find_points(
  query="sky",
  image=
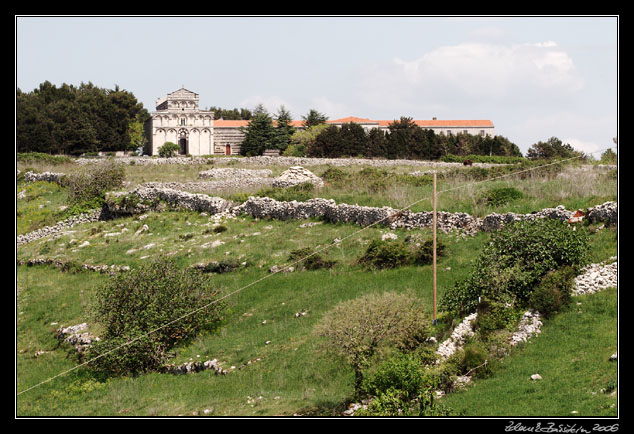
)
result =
(534, 77)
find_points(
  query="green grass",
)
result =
(294, 374)
(571, 355)
(292, 366)
(40, 207)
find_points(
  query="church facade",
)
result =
(178, 119)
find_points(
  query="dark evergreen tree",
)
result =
(258, 135)
(283, 130)
(314, 118)
(376, 145)
(352, 140)
(402, 134)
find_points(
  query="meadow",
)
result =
(290, 373)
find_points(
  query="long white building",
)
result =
(178, 119)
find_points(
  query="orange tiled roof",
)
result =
(224, 123)
(352, 119)
(382, 123)
(445, 123)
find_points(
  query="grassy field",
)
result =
(294, 374)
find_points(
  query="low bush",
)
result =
(405, 372)
(514, 262)
(493, 316)
(382, 254)
(168, 150)
(501, 196)
(357, 328)
(146, 312)
(474, 359)
(553, 292)
(92, 183)
(313, 261)
(295, 150)
(424, 253)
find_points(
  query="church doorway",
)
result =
(183, 145)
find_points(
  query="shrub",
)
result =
(494, 315)
(168, 150)
(382, 254)
(474, 359)
(147, 311)
(424, 254)
(297, 150)
(334, 175)
(500, 196)
(92, 183)
(394, 402)
(404, 372)
(553, 292)
(515, 261)
(220, 228)
(355, 329)
(312, 262)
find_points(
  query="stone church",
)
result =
(178, 119)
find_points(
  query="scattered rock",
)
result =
(614, 357)
(297, 175)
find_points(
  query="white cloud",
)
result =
(332, 109)
(586, 147)
(271, 103)
(469, 72)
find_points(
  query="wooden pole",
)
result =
(434, 260)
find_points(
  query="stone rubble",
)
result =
(44, 176)
(73, 336)
(606, 212)
(60, 227)
(530, 325)
(231, 173)
(297, 175)
(596, 277)
(283, 161)
(461, 333)
(106, 269)
(191, 367)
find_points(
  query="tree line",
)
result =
(403, 139)
(74, 120)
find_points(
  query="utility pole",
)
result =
(434, 256)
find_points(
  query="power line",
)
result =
(287, 265)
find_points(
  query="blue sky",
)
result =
(533, 77)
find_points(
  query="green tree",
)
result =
(401, 137)
(552, 148)
(314, 118)
(376, 144)
(146, 312)
(75, 120)
(259, 134)
(283, 129)
(352, 140)
(357, 328)
(326, 144)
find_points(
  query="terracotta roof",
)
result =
(383, 123)
(445, 123)
(225, 123)
(352, 119)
